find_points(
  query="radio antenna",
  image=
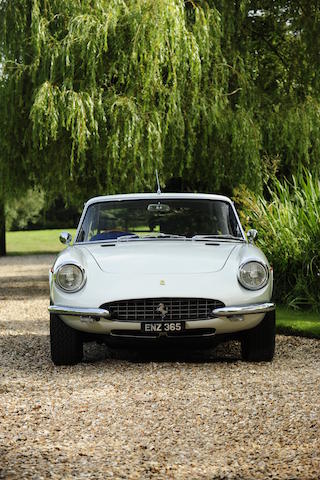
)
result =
(158, 184)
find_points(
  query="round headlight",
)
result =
(70, 277)
(253, 275)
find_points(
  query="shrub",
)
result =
(289, 233)
(24, 211)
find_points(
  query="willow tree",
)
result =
(97, 94)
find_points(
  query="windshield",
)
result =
(133, 219)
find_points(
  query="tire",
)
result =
(258, 344)
(66, 343)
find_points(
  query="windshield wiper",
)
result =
(163, 235)
(126, 238)
(217, 237)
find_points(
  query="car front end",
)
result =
(160, 285)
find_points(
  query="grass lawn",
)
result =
(35, 241)
(301, 323)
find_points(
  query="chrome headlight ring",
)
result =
(71, 272)
(249, 277)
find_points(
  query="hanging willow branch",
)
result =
(97, 94)
(124, 85)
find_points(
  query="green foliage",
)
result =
(295, 134)
(24, 211)
(289, 233)
(94, 95)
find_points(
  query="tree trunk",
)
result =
(2, 230)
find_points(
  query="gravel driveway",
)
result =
(126, 415)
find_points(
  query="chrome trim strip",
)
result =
(198, 335)
(127, 335)
(244, 309)
(82, 312)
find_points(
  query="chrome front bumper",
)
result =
(223, 320)
(95, 313)
(244, 309)
(233, 311)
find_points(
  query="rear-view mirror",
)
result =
(158, 207)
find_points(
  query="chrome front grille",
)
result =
(168, 309)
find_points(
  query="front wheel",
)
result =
(66, 343)
(258, 344)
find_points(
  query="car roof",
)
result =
(157, 196)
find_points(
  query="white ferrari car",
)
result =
(162, 268)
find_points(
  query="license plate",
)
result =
(167, 327)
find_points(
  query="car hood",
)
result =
(165, 257)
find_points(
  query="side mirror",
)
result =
(65, 238)
(252, 235)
